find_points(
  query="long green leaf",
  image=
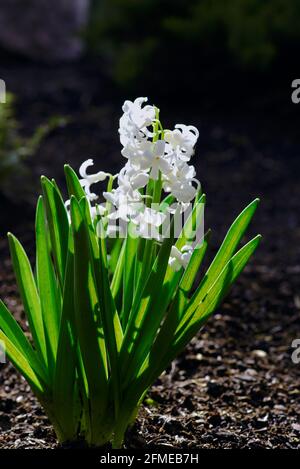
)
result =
(74, 186)
(131, 245)
(109, 315)
(58, 224)
(217, 291)
(227, 249)
(47, 286)
(174, 314)
(187, 233)
(22, 364)
(89, 331)
(146, 320)
(110, 319)
(189, 276)
(117, 279)
(29, 294)
(65, 387)
(14, 333)
(158, 360)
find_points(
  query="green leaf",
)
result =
(165, 204)
(65, 386)
(109, 315)
(174, 314)
(29, 294)
(213, 297)
(89, 330)
(227, 249)
(117, 280)
(22, 364)
(192, 224)
(14, 333)
(110, 319)
(47, 286)
(186, 236)
(58, 224)
(160, 358)
(148, 315)
(191, 272)
(224, 254)
(74, 186)
(131, 246)
(115, 246)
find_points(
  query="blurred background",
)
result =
(223, 66)
(74, 62)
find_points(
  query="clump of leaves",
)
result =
(89, 367)
(109, 314)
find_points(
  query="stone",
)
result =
(43, 29)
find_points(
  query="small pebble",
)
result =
(259, 353)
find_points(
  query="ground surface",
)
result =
(236, 385)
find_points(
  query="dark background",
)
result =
(226, 67)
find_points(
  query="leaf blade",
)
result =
(58, 224)
(29, 294)
(47, 286)
(15, 334)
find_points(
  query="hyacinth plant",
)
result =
(114, 295)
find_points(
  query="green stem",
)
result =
(109, 189)
(122, 425)
(157, 190)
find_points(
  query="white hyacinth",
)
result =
(181, 258)
(148, 222)
(182, 140)
(135, 121)
(89, 179)
(153, 156)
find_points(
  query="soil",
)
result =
(235, 386)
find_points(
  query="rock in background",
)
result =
(45, 30)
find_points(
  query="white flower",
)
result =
(131, 179)
(154, 159)
(141, 117)
(128, 130)
(148, 156)
(134, 149)
(127, 204)
(180, 182)
(182, 172)
(89, 179)
(127, 198)
(181, 258)
(148, 223)
(184, 193)
(135, 120)
(182, 141)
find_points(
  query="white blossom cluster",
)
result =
(155, 156)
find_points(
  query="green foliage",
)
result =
(105, 326)
(245, 33)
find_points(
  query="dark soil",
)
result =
(235, 386)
